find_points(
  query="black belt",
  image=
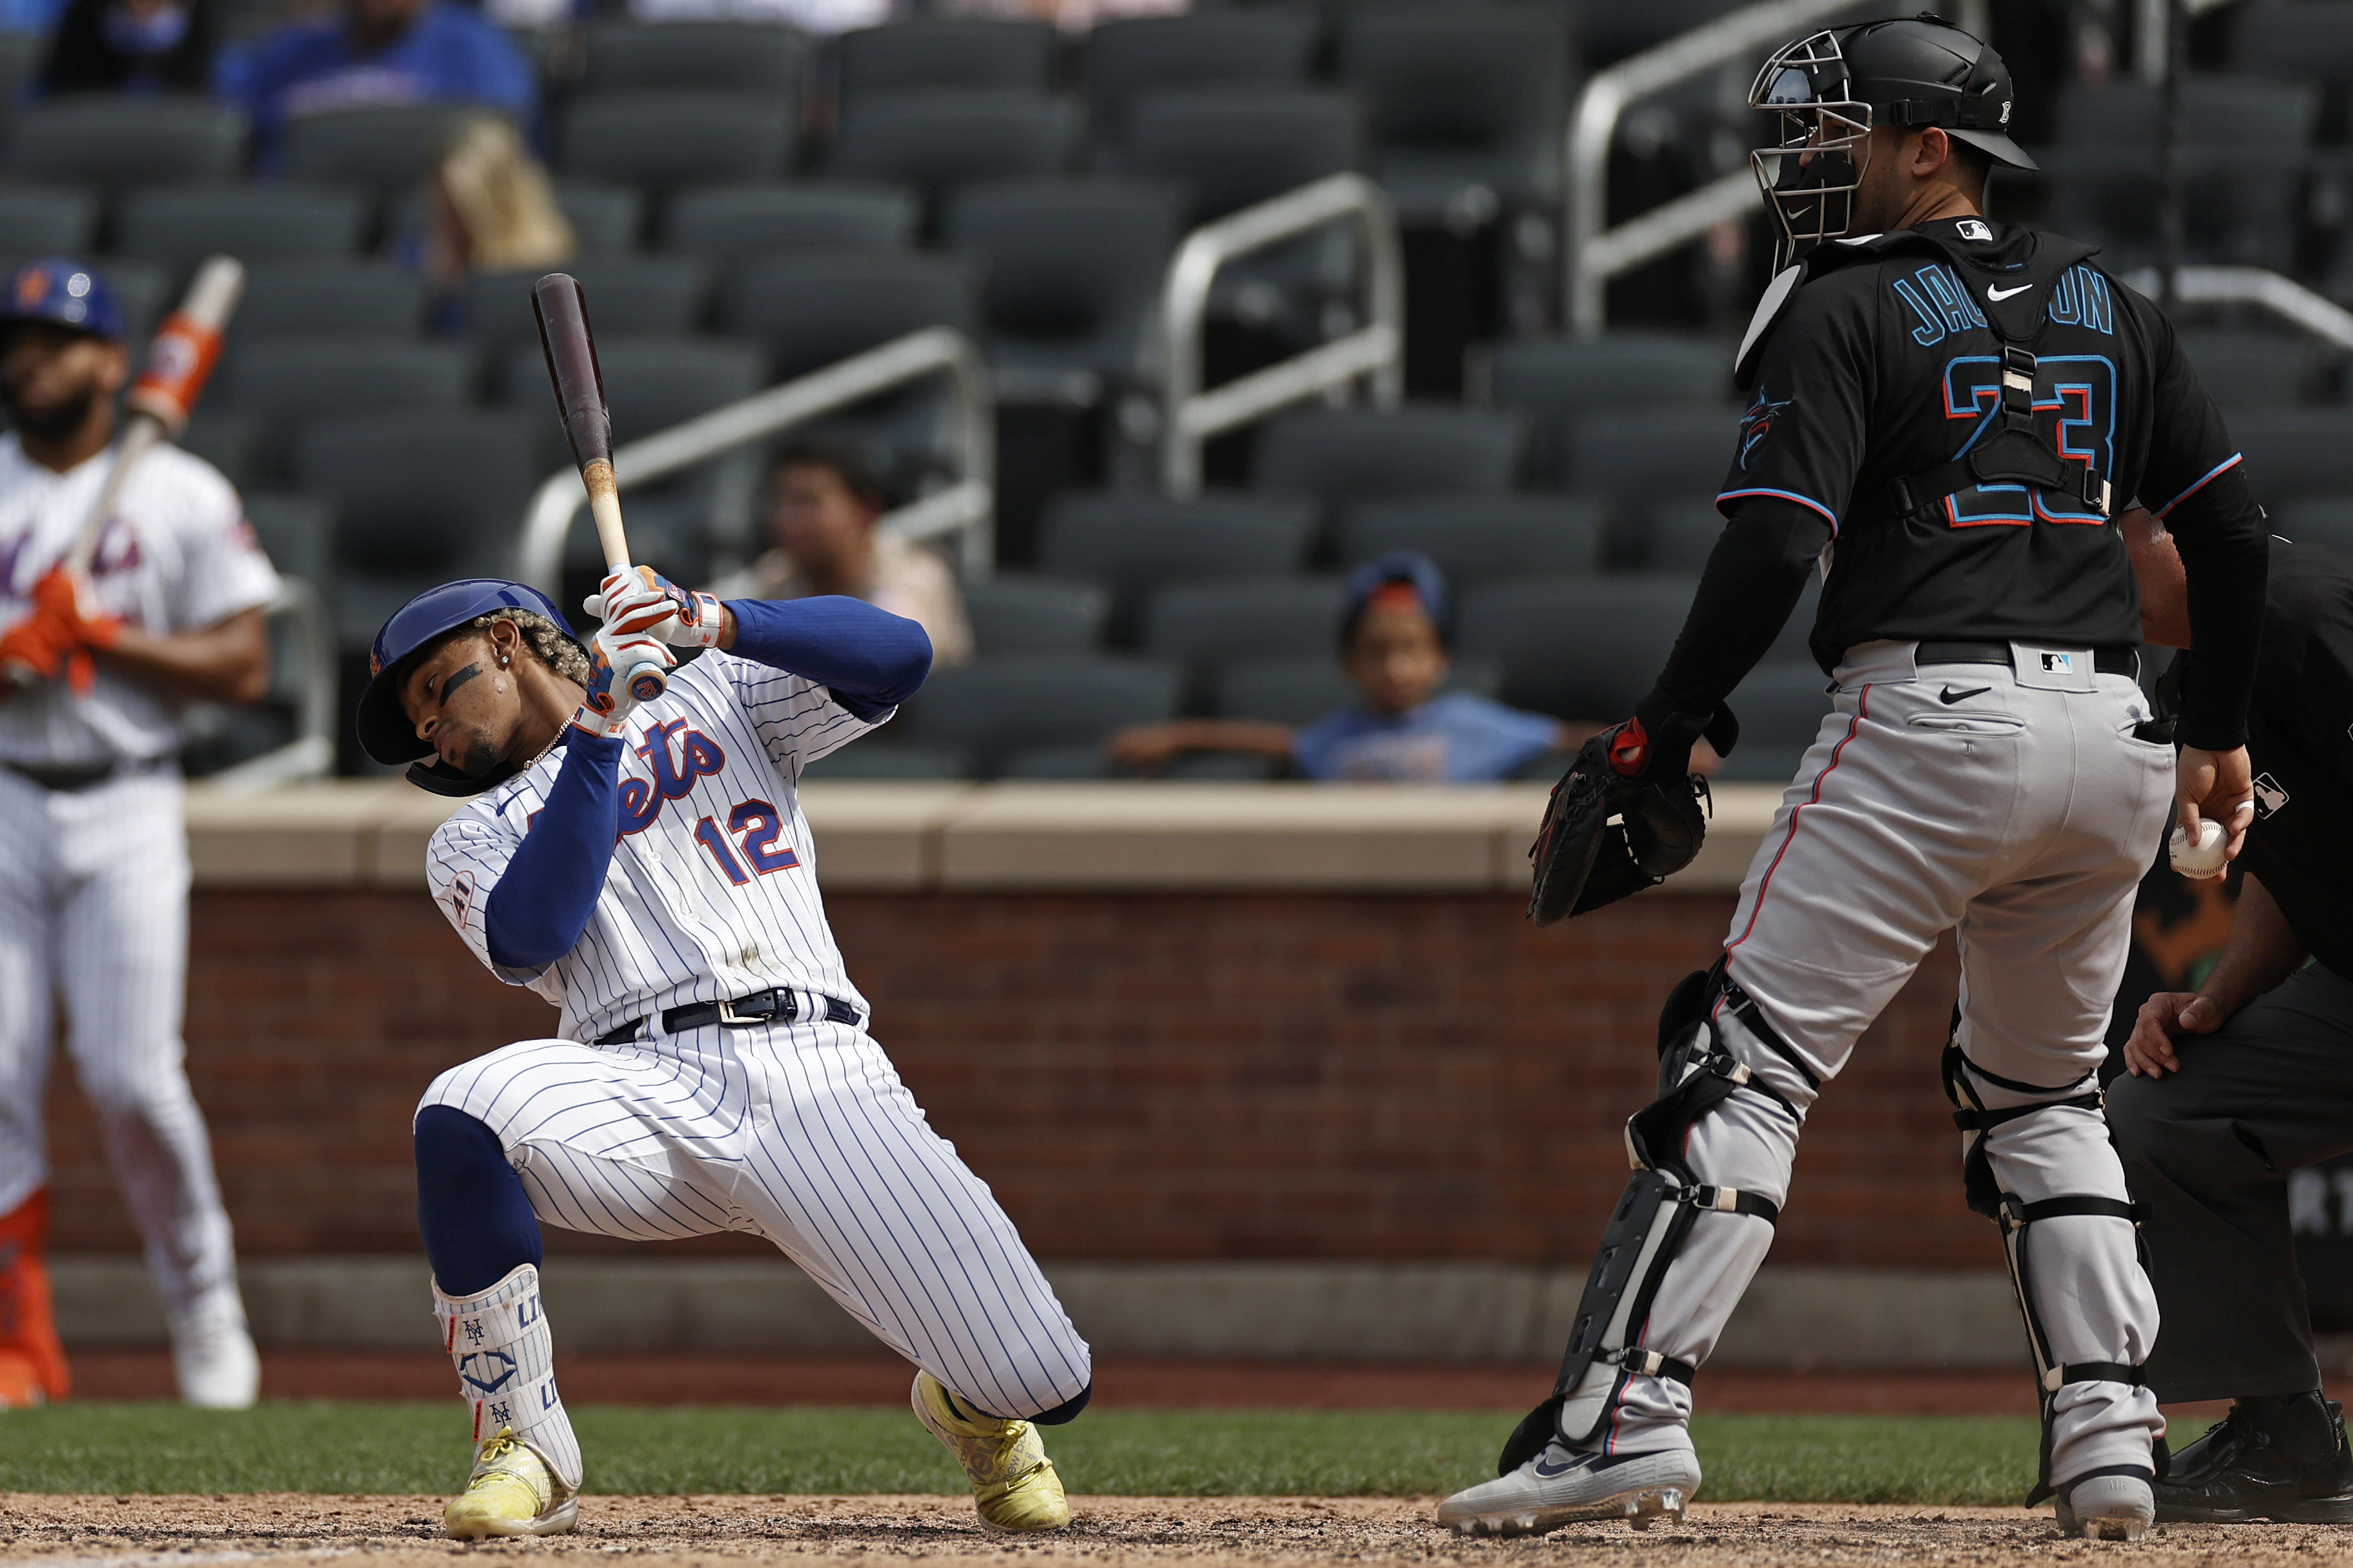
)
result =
(73, 780)
(777, 1007)
(2105, 660)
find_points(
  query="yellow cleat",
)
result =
(513, 1492)
(1014, 1485)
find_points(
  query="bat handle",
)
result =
(644, 681)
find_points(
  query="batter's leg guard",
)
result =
(32, 1364)
(1663, 1199)
(506, 1369)
(2126, 1318)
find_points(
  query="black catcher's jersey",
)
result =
(1881, 367)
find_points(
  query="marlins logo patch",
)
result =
(1757, 423)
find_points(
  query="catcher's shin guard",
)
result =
(32, 1364)
(1663, 1199)
(2016, 1217)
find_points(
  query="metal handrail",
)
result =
(1594, 253)
(1376, 351)
(2282, 296)
(311, 754)
(969, 504)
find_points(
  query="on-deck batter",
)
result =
(647, 869)
(1948, 411)
(93, 857)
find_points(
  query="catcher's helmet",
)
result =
(385, 730)
(1831, 88)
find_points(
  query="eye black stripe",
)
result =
(450, 685)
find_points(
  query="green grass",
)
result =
(338, 1447)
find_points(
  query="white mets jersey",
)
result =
(177, 557)
(712, 891)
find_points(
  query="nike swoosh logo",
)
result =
(1559, 1471)
(1948, 696)
(2006, 293)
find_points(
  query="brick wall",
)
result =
(1139, 1077)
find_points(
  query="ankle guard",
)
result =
(1663, 1199)
(506, 1368)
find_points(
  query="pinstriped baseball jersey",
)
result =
(712, 891)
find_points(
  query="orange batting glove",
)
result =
(38, 647)
(68, 595)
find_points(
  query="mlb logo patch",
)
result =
(1970, 228)
(2058, 664)
(2269, 796)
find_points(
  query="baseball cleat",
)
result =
(1563, 1485)
(512, 1492)
(213, 1355)
(2261, 1461)
(1014, 1487)
(2106, 1508)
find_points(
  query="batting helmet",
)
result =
(385, 730)
(66, 292)
(1831, 88)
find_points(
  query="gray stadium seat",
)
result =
(2324, 520)
(1135, 544)
(1613, 32)
(1476, 538)
(287, 295)
(936, 138)
(604, 218)
(1040, 715)
(1781, 708)
(652, 381)
(1669, 453)
(1462, 100)
(953, 52)
(47, 220)
(1230, 147)
(297, 532)
(386, 149)
(116, 140)
(1131, 56)
(1681, 533)
(728, 222)
(1018, 612)
(658, 140)
(286, 382)
(625, 294)
(1578, 648)
(2248, 368)
(222, 437)
(743, 55)
(1301, 691)
(2292, 453)
(1072, 270)
(1346, 456)
(1200, 626)
(180, 224)
(811, 310)
(1552, 381)
(2311, 40)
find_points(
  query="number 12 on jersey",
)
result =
(756, 824)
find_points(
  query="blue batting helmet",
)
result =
(385, 730)
(66, 292)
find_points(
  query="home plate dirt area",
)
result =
(1108, 1532)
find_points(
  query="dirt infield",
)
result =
(1109, 1533)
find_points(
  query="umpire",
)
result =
(2251, 1076)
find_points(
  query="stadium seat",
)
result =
(660, 141)
(422, 496)
(936, 138)
(1018, 612)
(623, 57)
(179, 225)
(47, 220)
(297, 532)
(1580, 648)
(1680, 533)
(1474, 538)
(1465, 104)
(1072, 270)
(2324, 520)
(1040, 715)
(1344, 455)
(951, 52)
(1301, 691)
(1552, 381)
(652, 381)
(1131, 56)
(287, 295)
(385, 149)
(604, 218)
(1230, 147)
(1610, 33)
(1781, 708)
(727, 221)
(117, 141)
(2311, 40)
(2246, 368)
(286, 382)
(811, 310)
(1200, 626)
(222, 437)
(1135, 544)
(625, 294)
(1674, 452)
(2293, 453)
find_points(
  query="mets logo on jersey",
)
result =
(675, 769)
(460, 896)
(1757, 423)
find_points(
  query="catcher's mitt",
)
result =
(1606, 835)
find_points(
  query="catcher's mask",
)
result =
(1828, 90)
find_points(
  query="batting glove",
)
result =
(613, 653)
(65, 625)
(642, 600)
(68, 595)
(38, 647)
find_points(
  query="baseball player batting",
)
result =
(1947, 412)
(634, 852)
(117, 612)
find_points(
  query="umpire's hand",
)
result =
(2149, 1053)
(2217, 785)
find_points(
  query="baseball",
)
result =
(2205, 859)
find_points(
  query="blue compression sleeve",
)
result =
(471, 1210)
(542, 904)
(871, 659)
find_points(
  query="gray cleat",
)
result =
(1562, 1485)
(2107, 1508)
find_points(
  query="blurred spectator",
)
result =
(130, 46)
(810, 15)
(825, 500)
(1071, 15)
(491, 207)
(370, 52)
(1394, 637)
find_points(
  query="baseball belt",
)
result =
(777, 1006)
(2105, 660)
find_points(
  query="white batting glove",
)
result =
(614, 653)
(642, 600)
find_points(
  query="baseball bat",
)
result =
(562, 309)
